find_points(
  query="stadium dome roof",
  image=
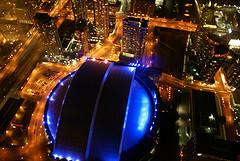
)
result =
(102, 111)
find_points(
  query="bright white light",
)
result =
(159, 2)
(199, 154)
(234, 42)
(229, 30)
(151, 128)
(131, 68)
(48, 121)
(154, 95)
(211, 117)
(55, 155)
(210, 26)
(52, 99)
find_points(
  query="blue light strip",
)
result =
(67, 157)
(62, 105)
(152, 92)
(47, 118)
(51, 98)
(155, 109)
(142, 118)
(139, 116)
(126, 116)
(138, 65)
(126, 113)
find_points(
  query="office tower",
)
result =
(211, 67)
(217, 58)
(81, 31)
(141, 7)
(113, 9)
(101, 17)
(48, 29)
(233, 74)
(133, 39)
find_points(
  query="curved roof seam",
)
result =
(96, 107)
(126, 113)
(60, 114)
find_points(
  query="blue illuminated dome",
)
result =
(103, 111)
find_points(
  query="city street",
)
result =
(226, 104)
(36, 148)
(15, 75)
(32, 48)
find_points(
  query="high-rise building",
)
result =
(211, 67)
(79, 9)
(141, 7)
(217, 58)
(80, 16)
(48, 29)
(133, 39)
(233, 74)
(113, 8)
(208, 47)
(101, 17)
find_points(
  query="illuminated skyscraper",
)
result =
(145, 7)
(133, 39)
(48, 29)
(80, 16)
(211, 67)
(233, 74)
(113, 8)
(101, 17)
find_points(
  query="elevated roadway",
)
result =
(198, 85)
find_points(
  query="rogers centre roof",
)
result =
(103, 111)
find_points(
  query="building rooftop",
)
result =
(102, 110)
